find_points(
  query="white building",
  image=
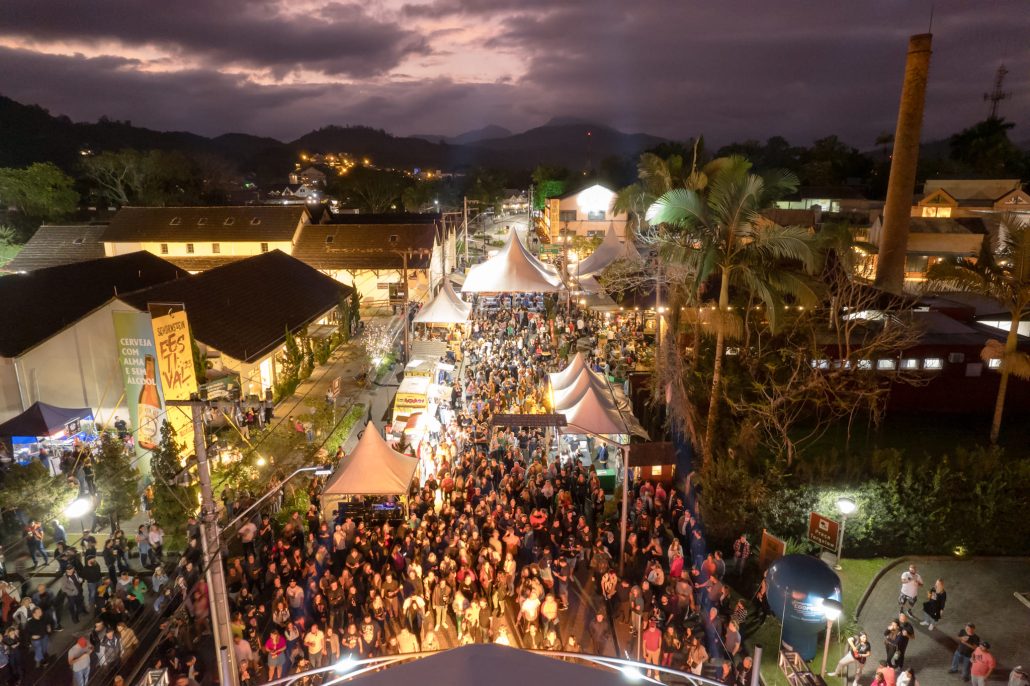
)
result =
(586, 212)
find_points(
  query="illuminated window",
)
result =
(656, 470)
(189, 248)
(216, 248)
(910, 363)
(936, 211)
(865, 365)
(820, 364)
(885, 365)
(933, 363)
(264, 247)
(994, 364)
(164, 248)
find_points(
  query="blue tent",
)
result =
(43, 420)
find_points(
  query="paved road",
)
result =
(979, 591)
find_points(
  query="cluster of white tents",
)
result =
(586, 400)
(512, 270)
(446, 308)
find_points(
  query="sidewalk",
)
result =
(980, 590)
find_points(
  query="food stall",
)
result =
(45, 432)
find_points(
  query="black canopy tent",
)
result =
(42, 420)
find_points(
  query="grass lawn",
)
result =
(855, 577)
(7, 252)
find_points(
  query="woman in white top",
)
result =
(907, 677)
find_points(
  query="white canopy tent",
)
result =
(610, 250)
(569, 374)
(564, 398)
(374, 468)
(592, 415)
(446, 308)
(512, 270)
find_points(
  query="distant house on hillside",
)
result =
(972, 197)
(588, 211)
(309, 176)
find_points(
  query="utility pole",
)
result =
(407, 342)
(624, 519)
(214, 572)
(465, 223)
(997, 95)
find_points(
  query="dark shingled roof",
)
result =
(243, 309)
(947, 225)
(37, 305)
(245, 223)
(194, 263)
(365, 246)
(387, 218)
(52, 246)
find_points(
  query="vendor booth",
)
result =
(371, 483)
(45, 432)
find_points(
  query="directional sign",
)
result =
(823, 531)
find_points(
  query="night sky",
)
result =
(729, 69)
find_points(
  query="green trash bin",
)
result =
(607, 479)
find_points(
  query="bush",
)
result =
(976, 499)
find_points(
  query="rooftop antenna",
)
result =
(997, 95)
(929, 29)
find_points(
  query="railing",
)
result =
(796, 670)
(349, 668)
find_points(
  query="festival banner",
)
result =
(138, 358)
(174, 350)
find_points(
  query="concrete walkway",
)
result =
(979, 591)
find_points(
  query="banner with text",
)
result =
(137, 356)
(174, 350)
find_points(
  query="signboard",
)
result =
(138, 358)
(398, 293)
(174, 351)
(550, 249)
(335, 387)
(823, 531)
(772, 549)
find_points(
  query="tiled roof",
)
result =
(244, 309)
(242, 223)
(365, 246)
(52, 246)
(948, 225)
(37, 305)
(192, 263)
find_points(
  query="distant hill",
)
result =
(32, 134)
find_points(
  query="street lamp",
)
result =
(845, 506)
(832, 610)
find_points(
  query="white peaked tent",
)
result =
(446, 308)
(591, 415)
(374, 468)
(511, 270)
(564, 398)
(611, 249)
(566, 376)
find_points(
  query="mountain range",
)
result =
(32, 134)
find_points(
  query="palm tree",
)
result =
(722, 231)
(1004, 276)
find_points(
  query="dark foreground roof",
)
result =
(488, 663)
(365, 246)
(52, 246)
(243, 309)
(387, 218)
(178, 224)
(968, 225)
(37, 305)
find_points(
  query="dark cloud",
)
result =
(728, 70)
(339, 38)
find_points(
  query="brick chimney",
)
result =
(890, 266)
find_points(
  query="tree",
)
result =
(722, 233)
(31, 489)
(156, 177)
(371, 190)
(985, 149)
(1003, 275)
(39, 192)
(173, 502)
(548, 182)
(117, 480)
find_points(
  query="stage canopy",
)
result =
(611, 249)
(374, 468)
(479, 663)
(446, 308)
(511, 270)
(43, 420)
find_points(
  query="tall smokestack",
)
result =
(890, 266)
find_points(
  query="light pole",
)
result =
(831, 610)
(78, 509)
(845, 506)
